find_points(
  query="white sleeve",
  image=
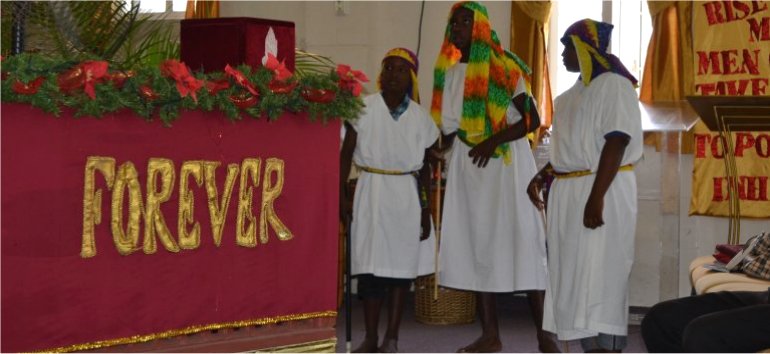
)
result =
(521, 87)
(360, 123)
(619, 107)
(428, 128)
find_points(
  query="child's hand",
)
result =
(482, 152)
(425, 222)
(533, 190)
(592, 216)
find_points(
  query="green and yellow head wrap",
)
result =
(490, 81)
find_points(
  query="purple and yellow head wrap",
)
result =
(490, 81)
(414, 64)
(591, 39)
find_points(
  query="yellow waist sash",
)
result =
(421, 193)
(574, 174)
(385, 172)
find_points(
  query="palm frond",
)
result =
(306, 63)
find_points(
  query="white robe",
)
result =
(386, 225)
(589, 269)
(492, 237)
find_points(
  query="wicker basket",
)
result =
(451, 307)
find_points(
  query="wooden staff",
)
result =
(438, 222)
(348, 287)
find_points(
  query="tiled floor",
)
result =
(516, 327)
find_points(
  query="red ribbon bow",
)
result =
(186, 84)
(241, 79)
(279, 69)
(318, 95)
(93, 72)
(217, 85)
(28, 88)
(350, 80)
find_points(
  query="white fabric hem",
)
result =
(475, 287)
(387, 273)
(595, 329)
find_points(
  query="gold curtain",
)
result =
(202, 9)
(668, 69)
(528, 41)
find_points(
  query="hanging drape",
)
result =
(528, 41)
(202, 9)
(668, 68)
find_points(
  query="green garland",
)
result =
(166, 102)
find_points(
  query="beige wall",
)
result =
(362, 37)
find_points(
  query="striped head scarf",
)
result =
(411, 58)
(591, 39)
(490, 81)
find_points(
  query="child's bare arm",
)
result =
(609, 162)
(423, 186)
(346, 159)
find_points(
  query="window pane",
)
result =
(179, 5)
(632, 34)
(153, 5)
(567, 13)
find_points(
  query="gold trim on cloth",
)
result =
(321, 346)
(385, 172)
(188, 330)
(574, 174)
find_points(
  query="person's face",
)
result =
(461, 28)
(570, 59)
(396, 75)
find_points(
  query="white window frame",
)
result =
(168, 14)
(608, 13)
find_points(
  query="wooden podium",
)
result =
(728, 114)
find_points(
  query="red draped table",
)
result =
(94, 253)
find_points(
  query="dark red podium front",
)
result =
(213, 43)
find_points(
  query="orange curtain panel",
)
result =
(528, 41)
(202, 9)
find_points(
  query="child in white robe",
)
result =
(492, 238)
(391, 230)
(597, 137)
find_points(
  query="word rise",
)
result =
(160, 183)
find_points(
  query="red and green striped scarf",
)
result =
(485, 101)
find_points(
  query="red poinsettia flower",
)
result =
(93, 72)
(279, 69)
(241, 79)
(28, 88)
(350, 79)
(186, 84)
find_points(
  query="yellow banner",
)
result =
(731, 41)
